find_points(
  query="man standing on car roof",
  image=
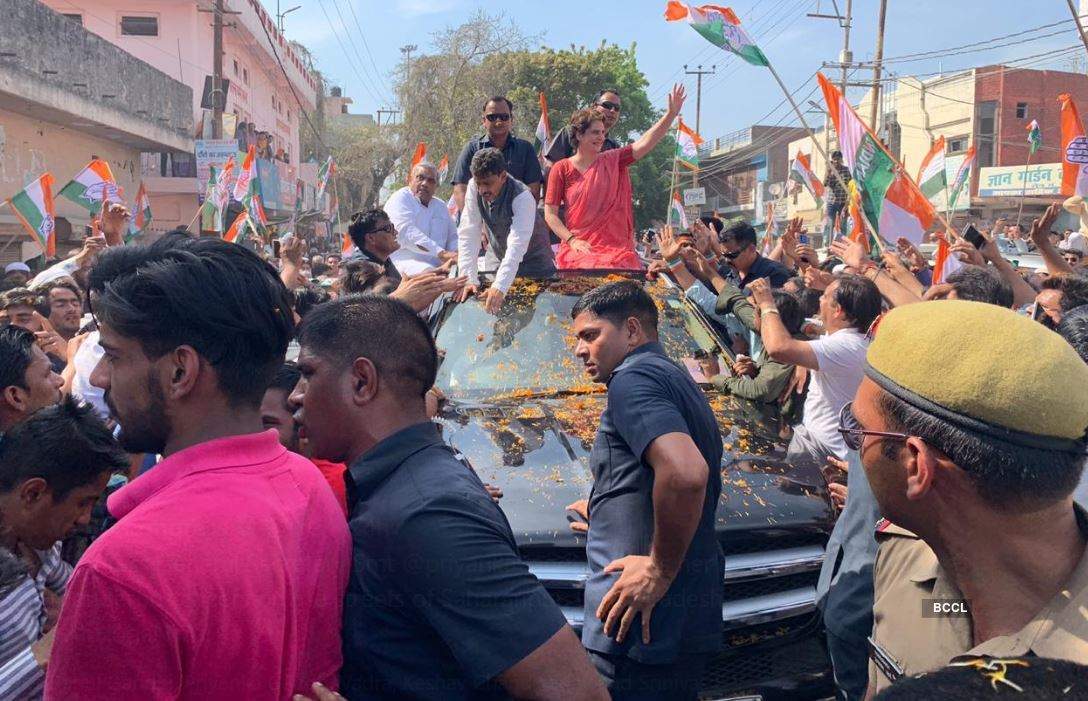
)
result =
(654, 595)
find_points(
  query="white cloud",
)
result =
(415, 8)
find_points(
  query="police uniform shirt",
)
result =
(904, 642)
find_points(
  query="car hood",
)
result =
(536, 449)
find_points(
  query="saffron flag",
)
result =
(141, 218)
(245, 175)
(1035, 137)
(963, 174)
(687, 145)
(443, 168)
(324, 174)
(678, 211)
(906, 211)
(543, 127)
(944, 261)
(801, 172)
(719, 26)
(238, 228)
(91, 185)
(419, 155)
(1074, 149)
(33, 205)
(931, 176)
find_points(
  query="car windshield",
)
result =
(528, 349)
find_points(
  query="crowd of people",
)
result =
(255, 527)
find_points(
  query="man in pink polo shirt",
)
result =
(225, 574)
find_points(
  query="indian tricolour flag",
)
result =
(91, 185)
(961, 178)
(931, 176)
(245, 175)
(870, 165)
(543, 127)
(34, 207)
(687, 145)
(1035, 137)
(324, 174)
(719, 26)
(678, 212)
(238, 228)
(346, 244)
(945, 262)
(1074, 149)
(906, 212)
(418, 156)
(443, 168)
(141, 217)
(801, 172)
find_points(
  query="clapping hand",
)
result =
(668, 243)
(911, 252)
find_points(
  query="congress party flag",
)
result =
(443, 168)
(961, 178)
(906, 212)
(91, 185)
(543, 127)
(419, 155)
(1074, 149)
(945, 261)
(141, 217)
(245, 175)
(801, 172)
(678, 212)
(324, 174)
(241, 223)
(1035, 137)
(719, 26)
(687, 145)
(33, 205)
(931, 176)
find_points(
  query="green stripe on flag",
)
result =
(874, 171)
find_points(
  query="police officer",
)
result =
(973, 454)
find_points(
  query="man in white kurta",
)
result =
(425, 230)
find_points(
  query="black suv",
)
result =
(522, 411)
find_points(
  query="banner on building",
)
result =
(1041, 179)
(212, 152)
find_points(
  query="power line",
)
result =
(351, 63)
(374, 81)
(978, 43)
(366, 45)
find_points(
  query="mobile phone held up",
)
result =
(276, 247)
(973, 236)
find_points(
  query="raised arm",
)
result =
(654, 134)
(777, 341)
(1040, 236)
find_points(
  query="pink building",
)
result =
(267, 83)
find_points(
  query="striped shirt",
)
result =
(22, 618)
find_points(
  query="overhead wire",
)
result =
(374, 81)
(351, 62)
(366, 45)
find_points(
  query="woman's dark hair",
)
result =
(65, 444)
(218, 297)
(1006, 475)
(617, 302)
(16, 354)
(789, 311)
(860, 299)
(306, 298)
(359, 276)
(580, 122)
(1074, 328)
(810, 302)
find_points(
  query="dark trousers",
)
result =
(628, 680)
(850, 660)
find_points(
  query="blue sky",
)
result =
(739, 94)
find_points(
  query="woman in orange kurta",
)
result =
(598, 229)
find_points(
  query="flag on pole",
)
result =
(238, 228)
(801, 172)
(33, 205)
(963, 173)
(678, 211)
(931, 176)
(687, 145)
(141, 218)
(419, 155)
(245, 175)
(719, 26)
(324, 174)
(211, 213)
(858, 230)
(944, 262)
(443, 168)
(1074, 149)
(906, 211)
(346, 244)
(91, 185)
(1035, 137)
(543, 127)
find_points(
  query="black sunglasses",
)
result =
(854, 435)
(497, 117)
(387, 227)
(610, 106)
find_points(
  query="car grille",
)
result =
(795, 670)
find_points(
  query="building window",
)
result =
(139, 26)
(987, 130)
(1021, 110)
(245, 76)
(235, 66)
(957, 144)
(75, 17)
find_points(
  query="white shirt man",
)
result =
(427, 234)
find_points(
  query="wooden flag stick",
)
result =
(1024, 191)
(672, 191)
